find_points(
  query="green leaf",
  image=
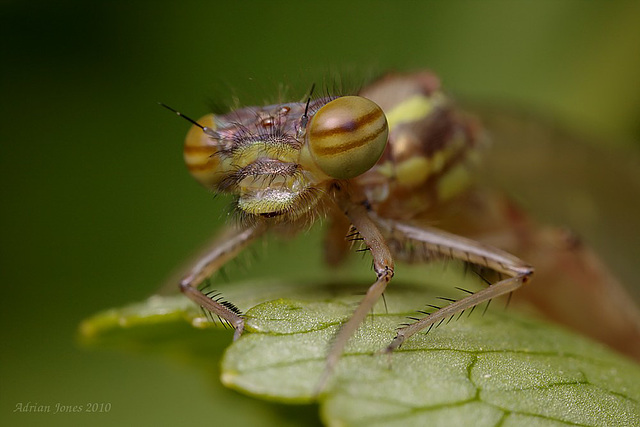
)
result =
(497, 369)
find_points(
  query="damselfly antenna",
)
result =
(187, 118)
(205, 129)
(305, 116)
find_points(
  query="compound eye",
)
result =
(199, 154)
(347, 136)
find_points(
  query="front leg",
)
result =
(383, 267)
(224, 249)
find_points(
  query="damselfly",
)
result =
(378, 167)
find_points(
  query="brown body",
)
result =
(390, 164)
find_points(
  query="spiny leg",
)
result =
(225, 249)
(383, 267)
(567, 269)
(451, 245)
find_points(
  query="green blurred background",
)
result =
(99, 209)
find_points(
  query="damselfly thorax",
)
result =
(383, 165)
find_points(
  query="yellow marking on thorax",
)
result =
(413, 172)
(453, 182)
(414, 108)
(416, 170)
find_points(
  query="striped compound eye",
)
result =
(199, 154)
(347, 136)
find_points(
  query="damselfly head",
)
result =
(279, 159)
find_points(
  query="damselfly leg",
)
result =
(227, 248)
